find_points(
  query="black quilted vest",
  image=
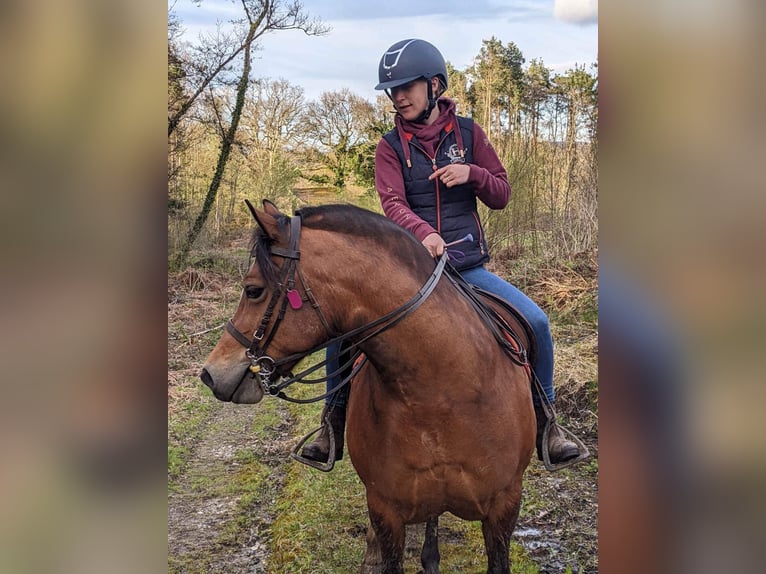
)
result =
(451, 211)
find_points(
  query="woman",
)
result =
(429, 170)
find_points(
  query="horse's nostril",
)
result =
(206, 378)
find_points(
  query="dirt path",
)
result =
(558, 525)
(212, 526)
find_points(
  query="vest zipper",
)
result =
(481, 235)
(438, 199)
(438, 188)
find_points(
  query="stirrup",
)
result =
(323, 466)
(584, 452)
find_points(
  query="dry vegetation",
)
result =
(198, 304)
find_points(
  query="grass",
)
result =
(244, 485)
(320, 516)
(186, 427)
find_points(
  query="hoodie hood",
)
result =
(428, 136)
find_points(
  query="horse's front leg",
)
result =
(429, 556)
(388, 536)
(372, 563)
(497, 530)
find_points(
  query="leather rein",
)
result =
(267, 368)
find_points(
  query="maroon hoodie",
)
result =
(487, 176)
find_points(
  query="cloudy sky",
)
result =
(561, 33)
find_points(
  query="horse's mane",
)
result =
(347, 220)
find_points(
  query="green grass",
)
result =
(248, 480)
(184, 428)
(321, 517)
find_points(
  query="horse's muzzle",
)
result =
(240, 387)
(206, 378)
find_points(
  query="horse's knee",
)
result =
(538, 320)
(372, 563)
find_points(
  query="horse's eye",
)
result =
(253, 291)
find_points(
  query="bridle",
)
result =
(267, 368)
(261, 363)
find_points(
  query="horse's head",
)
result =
(276, 320)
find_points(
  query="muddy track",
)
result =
(206, 531)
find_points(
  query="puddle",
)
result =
(534, 539)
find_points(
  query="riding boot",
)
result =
(319, 448)
(559, 448)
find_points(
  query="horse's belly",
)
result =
(418, 496)
(467, 490)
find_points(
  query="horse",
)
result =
(439, 419)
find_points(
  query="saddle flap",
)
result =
(513, 318)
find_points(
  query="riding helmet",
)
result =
(409, 60)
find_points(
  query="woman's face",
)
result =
(410, 99)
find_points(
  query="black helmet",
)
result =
(409, 60)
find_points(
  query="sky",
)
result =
(561, 33)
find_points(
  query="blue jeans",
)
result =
(480, 277)
(334, 361)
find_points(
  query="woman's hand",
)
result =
(435, 244)
(453, 174)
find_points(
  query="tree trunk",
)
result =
(223, 156)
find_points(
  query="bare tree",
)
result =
(339, 123)
(271, 129)
(260, 17)
(215, 56)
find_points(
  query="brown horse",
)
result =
(440, 418)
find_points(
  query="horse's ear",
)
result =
(251, 208)
(265, 221)
(271, 209)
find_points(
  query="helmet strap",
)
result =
(421, 119)
(425, 114)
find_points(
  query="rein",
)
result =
(265, 367)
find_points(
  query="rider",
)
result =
(429, 170)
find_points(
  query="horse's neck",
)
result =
(438, 342)
(424, 343)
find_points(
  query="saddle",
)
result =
(509, 327)
(511, 319)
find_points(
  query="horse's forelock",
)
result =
(260, 248)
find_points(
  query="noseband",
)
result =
(267, 368)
